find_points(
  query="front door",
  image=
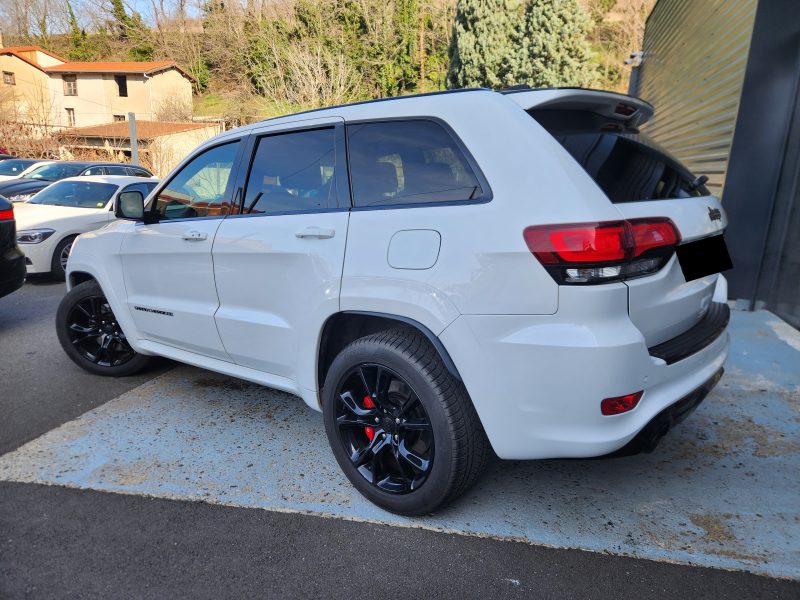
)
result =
(169, 274)
(278, 265)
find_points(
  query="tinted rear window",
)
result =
(627, 165)
(408, 162)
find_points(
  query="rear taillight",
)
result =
(7, 215)
(620, 404)
(589, 253)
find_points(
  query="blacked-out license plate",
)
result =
(704, 257)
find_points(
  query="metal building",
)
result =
(723, 76)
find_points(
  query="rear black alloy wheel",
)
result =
(91, 336)
(384, 428)
(95, 333)
(401, 426)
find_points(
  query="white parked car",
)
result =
(48, 224)
(14, 168)
(438, 274)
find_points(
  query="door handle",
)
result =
(320, 233)
(195, 236)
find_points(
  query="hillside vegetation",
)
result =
(256, 58)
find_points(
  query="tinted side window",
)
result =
(293, 172)
(136, 172)
(116, 170)
(408, 162)
(94, 171)
(200, 188)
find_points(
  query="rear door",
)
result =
(600, 130)
(278, 264)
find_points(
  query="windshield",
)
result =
(14, 166)
(55, 171)
(80, 194)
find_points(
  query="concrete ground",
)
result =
(248, 476)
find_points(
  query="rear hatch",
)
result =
(601, 131)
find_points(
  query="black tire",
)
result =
(57, 267)
(459, 449)
(86, 328)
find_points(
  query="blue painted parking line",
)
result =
(721, 490)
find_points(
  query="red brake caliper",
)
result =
(370, 431)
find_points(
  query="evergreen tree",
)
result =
(481, 47)
(499, 43)
(552, 47)
(132, 29)
(80, 46)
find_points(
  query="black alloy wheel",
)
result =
(400, 424)
(384, 428)
(91, 335)
(95, 333)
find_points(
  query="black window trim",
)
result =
(343, 192)
(486, 191)
(243, 142)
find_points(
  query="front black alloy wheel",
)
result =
(384, 428)
(402, 428)
(91, 336)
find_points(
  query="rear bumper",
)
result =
(537, 380)
(649, 437)
(12, 271)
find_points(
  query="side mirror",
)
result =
(130, 206)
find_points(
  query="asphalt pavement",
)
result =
(59, 542)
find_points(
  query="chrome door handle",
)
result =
(195, 236)
(320, 233)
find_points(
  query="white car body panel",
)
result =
(250, 300)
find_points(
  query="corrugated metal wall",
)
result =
(692, 70)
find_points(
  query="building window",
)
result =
(70, 85)
(70, 116)
(119, 118)
(122, 85)
(8, 78)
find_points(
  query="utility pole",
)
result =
(133, 138)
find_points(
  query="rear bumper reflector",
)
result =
(695, 339)
(652, 433)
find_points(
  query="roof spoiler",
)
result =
(614, 106)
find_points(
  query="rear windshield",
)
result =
(55, 171)
(627, 165)
(14, 167)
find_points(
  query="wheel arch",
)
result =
(77, 277)
(347, 326)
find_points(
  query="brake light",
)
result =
(7, 215)
(590, 253)
(620, 404)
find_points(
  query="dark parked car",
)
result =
(12, 260)
(4, 156)
(23, 188)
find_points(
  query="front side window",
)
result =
(293, 172)
(70, 85)
(78, 194)
(201, 188)
(408, 162)
(111, 170)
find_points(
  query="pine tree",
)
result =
(481, 48)
(133, 29)
(80, 47)
(552, 48)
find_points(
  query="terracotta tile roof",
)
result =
(145, 130)
(111, 67)
(18, 49)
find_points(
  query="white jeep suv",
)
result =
(440, 275)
